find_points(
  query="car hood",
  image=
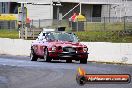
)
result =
(67, 44)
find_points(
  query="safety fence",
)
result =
(4, 24)
(91, 24)
(116, 25)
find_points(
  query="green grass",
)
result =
(98, 26)
(13, 34)
(102, 26)
(86, 36)
(106, 36)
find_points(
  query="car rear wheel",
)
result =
(33, 57)
(83, 61)
(47, 58)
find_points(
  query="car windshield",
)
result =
(63, 37)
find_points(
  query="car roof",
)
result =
(55, 32)
(48, 30)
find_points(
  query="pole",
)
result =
(124, 23)
(80, 7)
(120, 13)
(22, 20)
(39, 23)
(58, 16)
(58, 11)
(109, 12)
(104, 23)
(71, 10)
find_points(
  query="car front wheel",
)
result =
(33, 57)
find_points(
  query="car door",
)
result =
(38, 45)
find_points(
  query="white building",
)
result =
(44, 9)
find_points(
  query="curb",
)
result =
(115, 63)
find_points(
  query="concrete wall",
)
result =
(99, 51)
(110, 52)
(129, 8)
(118, 11)
(66, 7)
(40, 11)
(15, 46)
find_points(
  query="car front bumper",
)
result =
(67, 55)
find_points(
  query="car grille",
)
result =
(69, 49)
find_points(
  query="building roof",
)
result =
(91, 1)
(70, 1)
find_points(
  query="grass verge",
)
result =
(13, 34)
(86, 36)
(104, 36)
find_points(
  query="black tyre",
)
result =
(46, 56)
(68, 61)
(83, 61)
(33, 57)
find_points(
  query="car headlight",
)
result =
(85, 49)
(53, 48)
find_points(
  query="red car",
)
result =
(56, 45)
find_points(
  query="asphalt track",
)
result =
(20, 72)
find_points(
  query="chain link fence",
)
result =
(117, 29)
(91, 24)
(4, 24)
(94, 29)
(109, 23)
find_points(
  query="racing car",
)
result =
(58, 45)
